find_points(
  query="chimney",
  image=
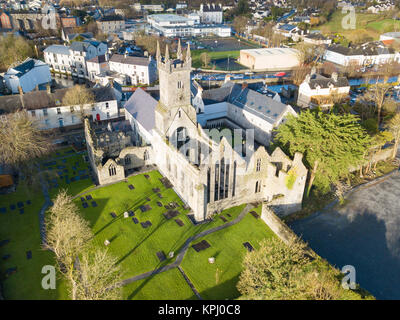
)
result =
(244, 85)
(21, 96)
(227, 78)
(334, 76)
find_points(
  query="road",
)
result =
(365, 233)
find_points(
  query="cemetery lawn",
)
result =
(218, 280)
(23, 232)
(136, 247)
(167, 285)
(23, 229)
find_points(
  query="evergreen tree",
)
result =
(331, 144)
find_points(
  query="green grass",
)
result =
(214, 55)
(367, 25)
(168, 285)
(23, 232)
(134, 246)
(74, 164)
(218, 280)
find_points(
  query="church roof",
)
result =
(142, 106)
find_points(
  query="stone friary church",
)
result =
(210, 144)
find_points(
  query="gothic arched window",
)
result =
(112, 170)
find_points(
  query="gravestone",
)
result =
(106, 242)
(126, 214)
(211, 260)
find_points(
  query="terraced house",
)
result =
(73, 59)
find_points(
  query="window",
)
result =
(258, 166)
(106, 105)
(72, 109)
(45, 112)
(72, 119)
(58, 111)
(111, 170)
(127, 160)
(258, 187)
(108, 115)
(47, 122)
(180, 85)
(146, 155)
(33, 113)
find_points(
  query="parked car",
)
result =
(280, 74)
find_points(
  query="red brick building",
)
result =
(5, 21)
(70, 22)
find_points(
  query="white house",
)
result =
(97, 65)
(317, 90)
(27, 75)
(47, 108)
(365, 54)
(137, 70)
(72, 59)
(211, 13)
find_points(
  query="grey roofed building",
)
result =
(57, 49)
(80, 46)
(119, 58)
(246, 99)
(316, 80)
(142, 106)
(212, 7)
(42, 99)
(98, 59)
(369, 49)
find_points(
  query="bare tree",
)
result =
(240, 24)
(21, 140)
(394, 127)
(78, 95)
(68, 234)
(307, 54)
(377, 94)
(98, 276)
(299, 74)
(205, 59)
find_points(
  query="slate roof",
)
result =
(369, 49)
(256, 103)
(80, 46)
(141, 61)
(98, 59)
(25, 67)
(287, 27)
(142, 106)
(324, 82)
(41, 99)
(210, 8)
(111, 18)
(57, 49)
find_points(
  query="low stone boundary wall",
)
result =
(277, 225)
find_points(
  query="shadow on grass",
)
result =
(147, 236)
